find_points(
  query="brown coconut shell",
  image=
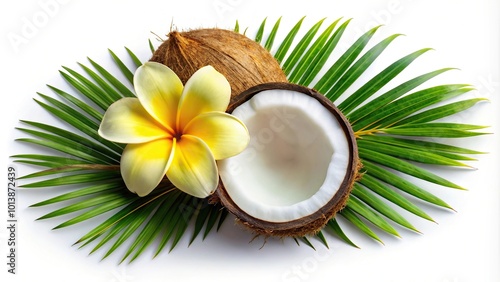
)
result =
(241, 60)
(310, 224)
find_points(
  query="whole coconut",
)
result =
(244, 62)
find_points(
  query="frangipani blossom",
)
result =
(174, 130)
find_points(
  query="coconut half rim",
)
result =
(299, 167)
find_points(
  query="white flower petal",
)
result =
(206, 91)
(143, 166)
(224, 134)
(193, 169)
(159, 90)
(126, 121)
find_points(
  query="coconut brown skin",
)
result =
(313, 223)
(241, 60)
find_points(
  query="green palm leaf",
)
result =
(391, 128)
(384, 124)
(377, 82)
(378, 205)
(333, 75)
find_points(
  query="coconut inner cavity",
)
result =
(296, 159)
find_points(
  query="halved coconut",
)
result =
(299, 167)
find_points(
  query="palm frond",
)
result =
(391, 129)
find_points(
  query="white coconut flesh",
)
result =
(296, 161)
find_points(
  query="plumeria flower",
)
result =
(174, 130)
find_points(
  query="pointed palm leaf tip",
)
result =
(174, 131)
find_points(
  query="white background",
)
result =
(464, 245)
